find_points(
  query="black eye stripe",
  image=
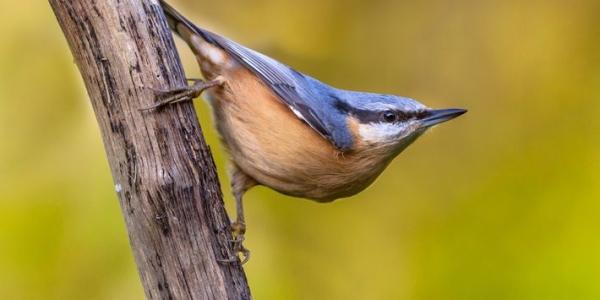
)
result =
(420, 114)
(367, 116)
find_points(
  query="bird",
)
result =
(289, 131)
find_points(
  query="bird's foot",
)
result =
(241, 253)
(188, 93)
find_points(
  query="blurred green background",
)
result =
(502, 203)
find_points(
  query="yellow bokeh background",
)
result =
(502, 203)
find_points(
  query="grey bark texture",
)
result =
(163, 170)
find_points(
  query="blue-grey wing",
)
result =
(305, 96)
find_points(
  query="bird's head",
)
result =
(390, 121)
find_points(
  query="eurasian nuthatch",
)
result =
(290, 132)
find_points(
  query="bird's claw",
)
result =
(238, 230)
(245, 256)
(181, 94)
(229, 260)
(241, 253)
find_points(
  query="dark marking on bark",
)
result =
(163, 68)
(97, 11)
(159, 213)
(166, 292)
(130, 208)
(131, 161)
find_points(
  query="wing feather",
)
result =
(283, 80)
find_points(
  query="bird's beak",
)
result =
(437, 116)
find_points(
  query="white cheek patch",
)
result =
(379, 132)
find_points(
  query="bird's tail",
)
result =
(185, 29)
(181, 25)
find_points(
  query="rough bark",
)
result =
(164, 174)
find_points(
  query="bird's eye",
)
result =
(389, 116)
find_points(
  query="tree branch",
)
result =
(163, 170)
